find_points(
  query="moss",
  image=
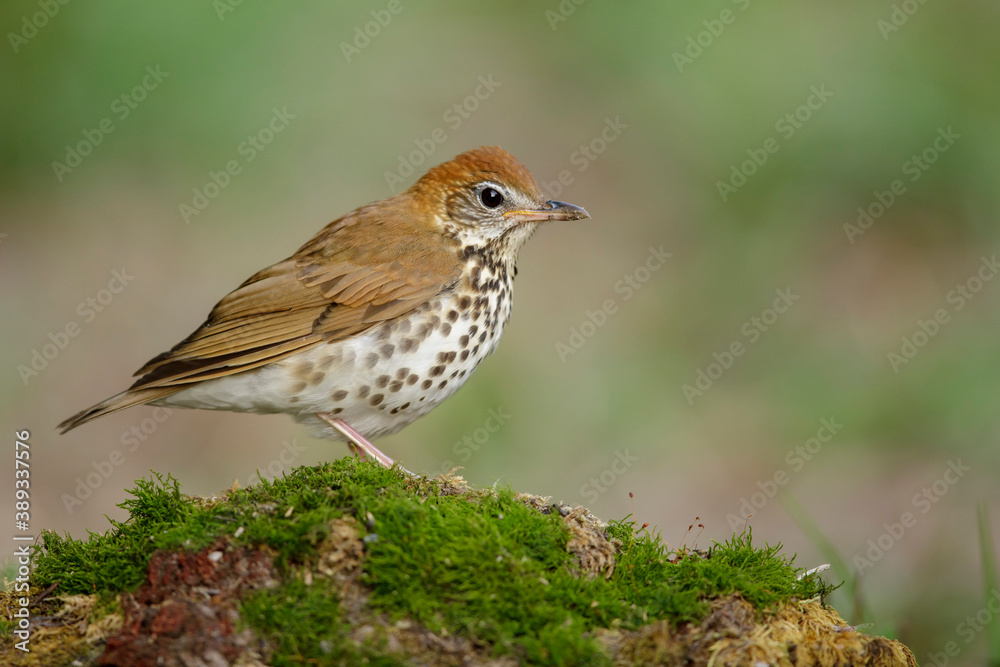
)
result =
(116, 560)
(74, 629)
(305, 624)
(372, 566)
(680, 585)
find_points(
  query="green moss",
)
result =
(305, 625)
(116, 560)
(679, 585)
(474, 568)
(479, 565)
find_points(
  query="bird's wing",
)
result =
(344, 281)
(336, 286)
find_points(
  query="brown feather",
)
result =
(288, 307)
(343, 281)
(126, 399)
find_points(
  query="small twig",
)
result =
(44, 594)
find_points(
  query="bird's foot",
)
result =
(358, 444)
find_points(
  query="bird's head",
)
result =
(486, 197)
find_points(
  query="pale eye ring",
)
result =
(490, 197)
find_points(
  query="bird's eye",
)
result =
(490, 197)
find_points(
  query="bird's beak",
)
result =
(554, 210)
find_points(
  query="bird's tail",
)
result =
(126, 399)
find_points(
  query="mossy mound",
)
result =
(348, 563)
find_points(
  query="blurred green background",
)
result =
(833, 103)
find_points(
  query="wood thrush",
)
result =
(372, 323)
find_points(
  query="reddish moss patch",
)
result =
(188, 608)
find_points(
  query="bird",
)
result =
(375, 321)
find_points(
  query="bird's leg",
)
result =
(357, 452)
(358, 443)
